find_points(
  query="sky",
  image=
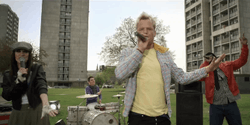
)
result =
(104, 17)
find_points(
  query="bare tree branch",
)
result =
(124, 37)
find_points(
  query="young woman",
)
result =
(25, 85)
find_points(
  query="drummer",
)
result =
(93, 89)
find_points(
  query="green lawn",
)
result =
(69, 99)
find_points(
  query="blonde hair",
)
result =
(145, 16)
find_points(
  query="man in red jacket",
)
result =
(222, 90)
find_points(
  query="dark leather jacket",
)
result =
(37, 85)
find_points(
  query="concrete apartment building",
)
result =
(64, 36)
(8, 24)
(215, 26)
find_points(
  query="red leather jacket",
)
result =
(227, 68)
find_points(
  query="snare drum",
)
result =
(95, 117)
(72, 113)
(91, 106)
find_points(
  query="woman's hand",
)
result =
(20, 73)
(48, 110)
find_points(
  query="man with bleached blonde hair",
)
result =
(149, 68)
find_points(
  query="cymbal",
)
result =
(86, 96)
(123, 92)
(118, 95)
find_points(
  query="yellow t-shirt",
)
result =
(150, 96)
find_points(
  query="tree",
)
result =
(5, 54)
(124, 37)
(99, 80)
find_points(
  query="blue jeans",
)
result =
(230, 111)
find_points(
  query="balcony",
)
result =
(235, 49)
(62, 29)
(225, 17)
(199, 29)
(217, 53)
(188, 16)
(199, 47)
(233, 14)
(215, 2)
(232, 3)
(194, 67)
(189, 68)
(193, 22)
(68, 10)
(188, 25)
(215, 11)
(226, 51)
(67, 44)
(61, 50)
(60, 65)
(194, 49)
(193, 14)
(216, 21)
(232, 38)
(217, 28)
(198, 20)
(62, 23)
(67, 51)
(60, 72)
(194, 58)
(65, 72)
(63, 9)
(189, 33)
(66, 65)
(216, 43)
(198, 11)
(60, 79)
(69, 3)
(68, 22)
(61, 43)
(199, 35)
(63, 2)
(223, 7)
(225, 40)
(200, 57)
(193, 31)
(189, 59)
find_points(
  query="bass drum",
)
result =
(99, 118)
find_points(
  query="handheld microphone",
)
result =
(144, 39)
(22, 62)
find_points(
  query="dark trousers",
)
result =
(230, 111)
(139, 119)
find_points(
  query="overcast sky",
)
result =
(104, 17)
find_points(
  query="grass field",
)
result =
(67, 98)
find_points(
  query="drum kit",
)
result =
(94, 113)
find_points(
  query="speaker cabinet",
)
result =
(189, 108)
(192, 87)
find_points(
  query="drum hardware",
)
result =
(119, 113)
(86, 96)
(122, 92)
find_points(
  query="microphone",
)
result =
(22, 62)
(144, 39)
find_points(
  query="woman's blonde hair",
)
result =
(145, 16)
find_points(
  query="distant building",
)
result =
(215, 26)
(64, 36)
(8, 24)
